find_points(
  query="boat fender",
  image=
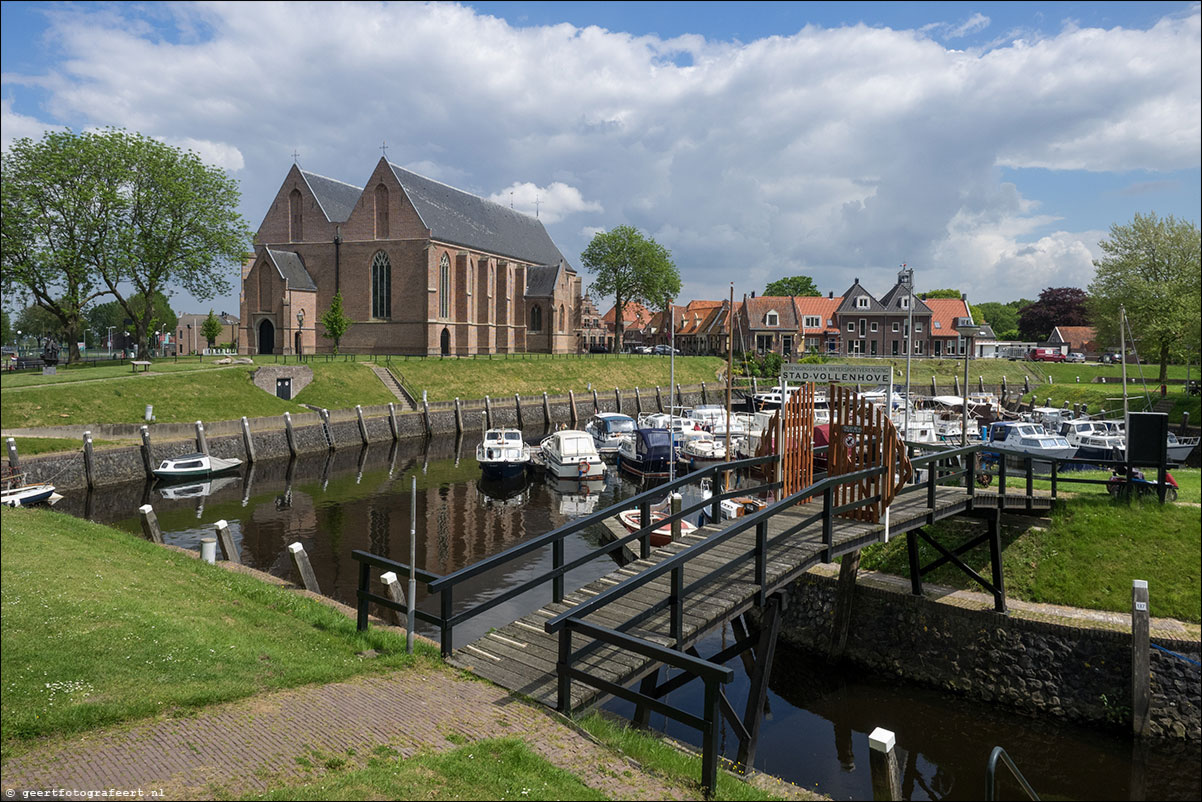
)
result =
(583, 467)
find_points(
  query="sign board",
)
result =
(845, 374)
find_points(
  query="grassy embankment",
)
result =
(1086, 557)
(101, 627)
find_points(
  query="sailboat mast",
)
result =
(730, 361)
(671, 385)
(1123, 356)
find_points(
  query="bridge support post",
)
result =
(844, 595)
(915, 567)
(642, 713)
(765, 652)
(994, 522)
(882, 757)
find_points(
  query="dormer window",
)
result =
(862, 302)
(812, 321)
(905, 302)
(772, 319)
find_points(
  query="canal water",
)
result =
(816, 731)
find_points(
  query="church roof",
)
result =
(461, 218)
(293, 270)
(336, 198)
(540, 280)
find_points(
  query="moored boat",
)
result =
(502, 454)
(571, 454)
(26, 495)
(609, 429)
(646, 454)
(661, 535)
(194, 466)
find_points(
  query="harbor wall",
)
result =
(1037, 667)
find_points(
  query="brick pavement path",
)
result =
(246, 746)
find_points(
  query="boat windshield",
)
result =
(619, 426)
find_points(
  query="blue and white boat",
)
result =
(646, 454)
(609, 429)
(503, 454)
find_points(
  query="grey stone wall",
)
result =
(264, 378)
(1038, 667)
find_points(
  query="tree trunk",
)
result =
(618, 320)
(1164, 362)
(72, 332)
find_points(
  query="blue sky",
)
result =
(988, 145)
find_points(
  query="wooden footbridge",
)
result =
(600, 640)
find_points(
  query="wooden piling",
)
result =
(225, 540)
(844, 598)
(248, 444)
(1141, 671)
(676, 502)
(638, 402)
(596, 406)
(362, 423)
(147, 455)
(202, 442)
(572, 406)
(882, 756)
(301, 560)
(289, 433)
(659, 399)
(392, 586)
(393, 428)
(458, 418)
(704, 395)
(1026, 384)
(426, 416)
(617, 400)
(517, 409)
(956, 384)
(89, 467)
(755, 388)
(327, 429)
(980, 383)
(14, 461)
(487, 412)
(546, 411)
(150, 524)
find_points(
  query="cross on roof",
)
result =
(384, 149)
(295, 156)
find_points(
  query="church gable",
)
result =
(301, 209)
(383, 211)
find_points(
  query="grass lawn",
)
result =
(1086, 558)
(341, 385)
(504, 768)
(101, 627)
(28, 446)
(446, 379)
(1110, 398)
(1189, 482)
(67, 374)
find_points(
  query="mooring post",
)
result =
(517, 410)
(882, 758)
(329, 431)
(704, 396)
(362, 423)
(546, 411)
(225, 539)
(150, 524)
(392, 424)
(483, 424)
(934, 388)
(426, 414)
(638, 402)
(659, 399)
(980, 383)
(572, 405)
(1184, 422)
(755, 387)
(844, 598)
(208, 549)
(248, 445)
(88, 467)
(488, 412)
(13, 461)
(956, 384)
(1005, 388)
(676, 504)
(679, 396)
(596, 405)
(617, 400)
(392, 586)
(1026, 384)
(202, 442)
(301, 560)
(147, 455)
(289, 433)
(1140, 658)
(458, 417)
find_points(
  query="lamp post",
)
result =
(300, 327)
(967, 330)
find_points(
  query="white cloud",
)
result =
(218, 154)
(15, 126)
(837, 152)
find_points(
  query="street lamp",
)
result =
(300, 326)
(967, 330)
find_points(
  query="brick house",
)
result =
(1076, 339)
(423, 268)
(191, 341)
(635, 319)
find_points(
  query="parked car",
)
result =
(664, 350)
(1045, 355)
(1075, 356)
(598, 348)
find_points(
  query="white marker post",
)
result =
(412, 568)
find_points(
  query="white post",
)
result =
(412, 567)
(208, 549)
(882, 757)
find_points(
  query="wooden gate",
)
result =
(797, 440)
(862, 437)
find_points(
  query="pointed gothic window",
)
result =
(444, 286)
(536, 318)
(381, 212)
(295, 230)
(562, 316)
(381, 287)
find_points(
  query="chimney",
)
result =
(753, 293)
(831, 295)
(857, 279)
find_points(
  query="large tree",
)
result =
(631, 267)
(944, 293)
(56, 198)
(793, 285)
(1057, 306)
(1151, 267)
(1003, 318)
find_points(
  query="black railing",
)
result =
(365, 597)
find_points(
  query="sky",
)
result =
(988, 146)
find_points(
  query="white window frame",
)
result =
(896, 327)
(851, 326)
(917, 325)
(772, 319)
(872, 327)
(812, 321)
(862, 302)
(905, 302)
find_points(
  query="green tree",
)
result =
(631, 267)
(6, 329)
(334, 321)
(947, 293)
(55, 198)
(793, 285)
(211, 328)
(1002, 317)
(40, 323)
(1151, 267)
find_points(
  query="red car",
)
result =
(1045, 355)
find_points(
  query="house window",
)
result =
(873, 328)
(763, 342)
(812, 321)
(862, 302)
(536, 319)
(896, 327)
(786, 344)
(444, 286)
(295, 229)
(874, 348)
(381, 287)
(918, 346)
(905, 302)
(851, 326)
(863, 327)
(381, 212)
(771, 319)
(937, 324)
(918, 326)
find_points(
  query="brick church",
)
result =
(423, 268)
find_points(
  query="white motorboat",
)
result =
(609, 429)
(714, 419)
(194, 466)
(27, 495)
(1093, 439)
(1181, 447)
(683, 429)
(571, 454)
(502, 454)
(703, 452)
(1029, 438)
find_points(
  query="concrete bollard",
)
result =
(392, 586)
(147, 455)
(208, 549)
(362, 423)
(488, 412)
(458, 417)
(1141, 670)
(326, 428)
(248, 444)
(150, 524)
(229, 552)
(517, 410)
(393, 428)
(202, 442)
(676, 503)
(572, 406)
(882, 757)
(301, 560)
(89, 467)
(13, 461)
(546, 410)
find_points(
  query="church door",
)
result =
(446, 342)
(266, 337)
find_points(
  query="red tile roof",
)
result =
(633, 314)
(824, 308)
(1079, 338)
(944, 312)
